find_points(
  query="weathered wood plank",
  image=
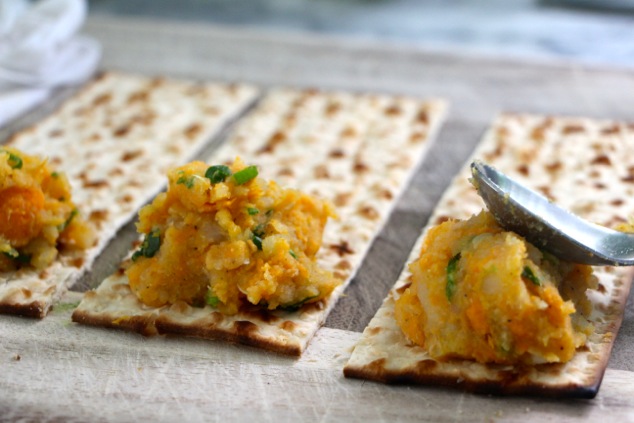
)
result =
(71, 372)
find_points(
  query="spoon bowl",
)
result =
(548, 226)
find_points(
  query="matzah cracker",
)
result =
(114, 140)
(583, 165)
(355, 150)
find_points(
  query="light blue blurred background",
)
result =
(585, 31)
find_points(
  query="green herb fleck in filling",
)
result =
(212, 300)
(257, 241)
(14, 161)
(217, 173)
(64, 225)
(245, 175)
(188, 181)
(452, 270)
(150, 245)
(528, 274)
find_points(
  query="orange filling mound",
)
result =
(479, 292)
(222, 236)
(37, 215)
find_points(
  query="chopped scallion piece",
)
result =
(257, 241)
(212, 300)
(18, 257)
(452, 269)
(188, 181)
(259, 230)
(252, 211)
(245, 175)
(528, 274)
(14, 161)
(292, 253)
(150, 245)
(64, 225)
(217, 173)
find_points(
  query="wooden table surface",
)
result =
(56, 370)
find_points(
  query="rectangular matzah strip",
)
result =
(355, 150)
(115, 140)
(583, 165)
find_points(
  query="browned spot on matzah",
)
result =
(393, 110)
(337, 153)
(342, 248)
(288, 325)
(26, 292)
(122, 130)
(440, 219)
(553, 167)
(55, 133)
(98, 215)
(359, 166)
(497, 152)
(617, 202)
(131, 155)
(545, 190)
(417, 137)
(342, 199)
(284, 172)
(156, 82)
(117, 171)
(573, 129)
(611, 130)
(100, 183)
(332, 108)
(343, 265)
(340, 275)
(321, 172)
(369, 212)
(138, 96)
(348, 131)
(102, 99)
(245, 328)
(602, 159)
(277, 138)
(192, 130)
(422, 116)
(523, 169)
(374, 330)
(386, 194)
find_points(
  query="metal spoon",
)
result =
(548, 226)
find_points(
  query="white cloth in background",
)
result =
(39, 50)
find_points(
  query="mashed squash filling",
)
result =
(37, 215)
(222, 236)
(480, 292)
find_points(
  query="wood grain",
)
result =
(57, 370)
